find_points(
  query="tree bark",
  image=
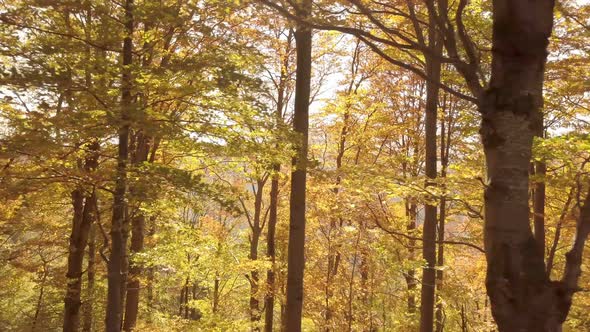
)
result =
(270, 249)
(115, 264)
(84, 208)
(133, 285)
(433, 67)
(564, 213)
(140, 155)
(254, 242)
(539, 204)
(411, 273)
(521, 295)
(75, 259)
(88, 306)
(274, 192)
(445, 143)
(296, 249)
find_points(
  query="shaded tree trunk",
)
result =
(256, 228)
(84, 208)
(115, 264)
(216, 294)
(133, 285)
(296, 249)
(88, 306)
(140, 155)
(564, 213)
(445, 143)
(270, 249)
(539, 204)
(274, 192)
(75, 258)
(411, 273)
(433, 68)
(39, 305)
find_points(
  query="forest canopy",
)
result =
(294, 165)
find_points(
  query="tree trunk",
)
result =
(254, 282)
(270, 249)
(115, 264)
(254, 242)
(296, 251)
(411, 273)
(539, 204)
(521, 295)
(133, 285)
(88, 306)
(75, 259)
(445, 142)
(84, 209)
(216, 294)
(137, 241)
(433, 68)
(39, 305)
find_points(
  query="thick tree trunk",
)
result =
(270, 250)
(433, 68)
(296, 250)
(115, 264)
(521, 295)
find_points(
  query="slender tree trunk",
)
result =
(270, 249)
(411, 273)
(142, 150)
(539, 204)
(556, 238)
(433, 67)
(39, 305)
(183, 303)
(254, 242)
(274, 192)
(115, 264)
(75, 259)
(133, 285)
(350, 311)
(88, 307)
(150, 278)
(463, 319)
(521, 295)
(440, 263)
(83, 204)
(296, 251)
(254, 282)
(216, 294)
(445, 142)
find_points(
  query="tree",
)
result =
(296, 253)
